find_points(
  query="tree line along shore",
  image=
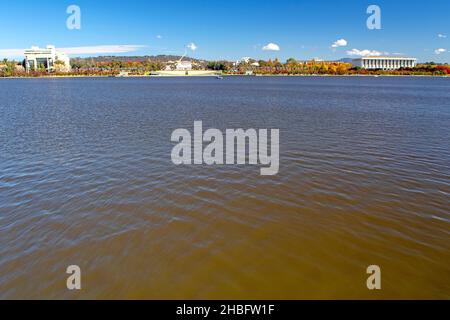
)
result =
(142, 66)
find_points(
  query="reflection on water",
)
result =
(86, 178)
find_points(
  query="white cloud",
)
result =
(440, 35)
(439, 51)
(9, 53)
(101, 49)
(107, 49)
(159, 36)
(192, 46)
(364, 53)
(271, 47)
(339, 43)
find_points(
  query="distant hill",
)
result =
(346, 60)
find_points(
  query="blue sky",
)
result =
(230, 29)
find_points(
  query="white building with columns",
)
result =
(384, 63)
(36, 58)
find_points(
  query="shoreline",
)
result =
(230, 75)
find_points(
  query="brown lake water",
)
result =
(86, 179)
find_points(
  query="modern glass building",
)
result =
(40, 58)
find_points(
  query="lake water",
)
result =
(86, 179)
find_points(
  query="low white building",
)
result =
(36, 58)
(184, 66)
(384, 63)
